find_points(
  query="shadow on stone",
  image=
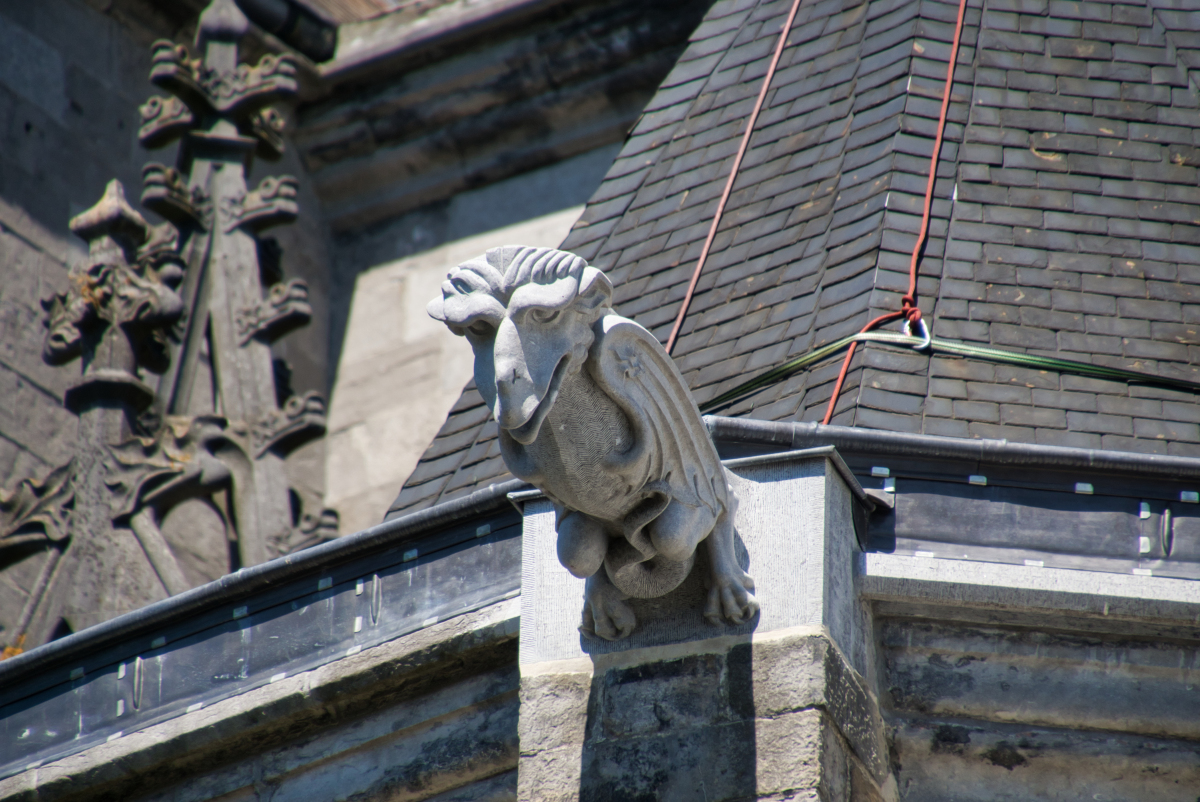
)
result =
(671, 729)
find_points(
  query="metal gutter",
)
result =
(796, 435)
(240, 584)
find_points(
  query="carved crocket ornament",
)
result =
(593, 412)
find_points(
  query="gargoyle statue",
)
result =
(593, 412)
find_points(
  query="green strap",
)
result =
(937, 344)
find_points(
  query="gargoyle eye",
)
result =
(481, 328)
(544, 315)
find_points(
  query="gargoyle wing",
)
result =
(632, 368)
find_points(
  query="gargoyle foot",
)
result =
(730, 597)
(605, 613)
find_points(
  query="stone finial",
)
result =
(593, 412)
(222, 21)
(111, 221)
(119, 306)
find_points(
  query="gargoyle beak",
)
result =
(527, 379)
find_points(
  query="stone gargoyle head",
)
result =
(528, 314)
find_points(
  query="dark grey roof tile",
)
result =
(1118, 327)
(1119, 443)
(1149, 349)
(1041, 417)
(891, 421)
(1140, 54)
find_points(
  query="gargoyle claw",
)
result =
(605, 613)
(611, 620)
(731, 601)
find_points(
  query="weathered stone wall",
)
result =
(1041, 713)
(400, 372)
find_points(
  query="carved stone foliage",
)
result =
(165, 192)
(121, 305)
(177, 461)
(301, 420)
(164, 119)
(593, 412)
(241, 91)
(38, 509)
(272, 203)
(285, 308)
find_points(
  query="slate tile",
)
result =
(1184, 333)
(1171, 212)
(1132, 189)
(1183, 449)
(1127, 149)
(1024, 159)
(1159, 95)
(1051, 26)
(1140, 229)
(1132, 15)
(1011, 42)
(911, 405)
(1149, 269)
(1112, 442)
(1166, 430)
(1085, 124)
(1100, 205)
(1038, 7)
(1043, 120)
(1001, 21)
(999, 393)
(1053, 65)
(1022, 337)
(1182, 98)
(1020, 415)
(1171, 252)
(1148, 349)
(1100, 424)
(1119, 71)
(1041, 198)
(1088, 303)
(1013, 375)
(1139, 54)
(1045, 240)
(1065, 221)
(968, 330)
(1088, 48)
(1000, 59)
(1091, 344)
(1027, 81)
(1104, 324)
(1065, 400)
(1125, 110)
(1021, 434)
(878, 419)
(899, 370)
(1066, 438)
(1181, 411)
(1099, 165)
(1131, 407)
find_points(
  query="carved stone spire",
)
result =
(199, 460)
(219, 110)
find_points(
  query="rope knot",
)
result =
(910, 310)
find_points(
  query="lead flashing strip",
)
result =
(794, 435)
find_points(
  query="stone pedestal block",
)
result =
(780, 707)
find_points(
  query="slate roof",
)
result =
(1065, 220)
